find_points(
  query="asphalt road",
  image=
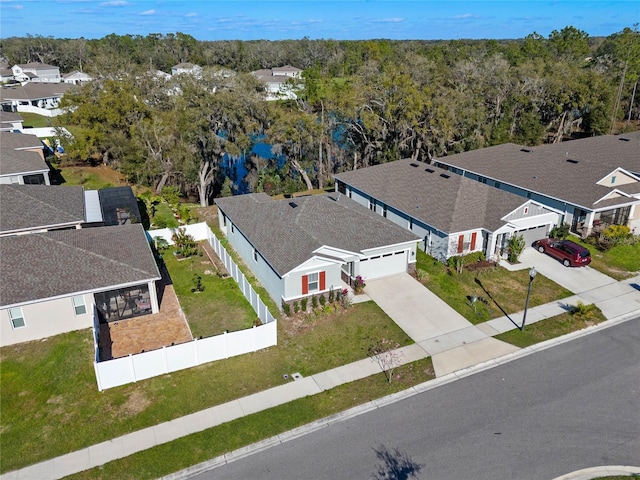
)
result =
(573, 406)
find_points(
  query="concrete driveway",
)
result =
(452, 341)
(576, 279)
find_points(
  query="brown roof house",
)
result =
(58, 281)
(452, 215)
(593, 182)
(310, 245)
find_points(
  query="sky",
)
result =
(315, 19)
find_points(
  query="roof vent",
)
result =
(571, 160)
(624, 139)
(430, 170)
(414, 165)
(444, 175)
(293, 204)
(526, 150)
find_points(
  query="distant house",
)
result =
(10, 122)
(22, 160)
(594, 182)
(36, 72)
(281, 82)
(186, 68)
(76, 78)
(451, 214)
(57, 281)
(33, 97)
(6, 73)
(311, 245)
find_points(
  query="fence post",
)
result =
(97, 370)
(133, 368)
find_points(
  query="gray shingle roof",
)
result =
(20, 153)
(43, 265)
(35, 91)
(451, 205)
(19, 141)
(286, 236)
(545, 169)
(27, 207)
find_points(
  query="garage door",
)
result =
(384, 265)
(533, 234)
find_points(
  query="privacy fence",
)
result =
(140, 366)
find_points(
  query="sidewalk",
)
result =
(621, 301)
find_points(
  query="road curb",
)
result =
(604, 471)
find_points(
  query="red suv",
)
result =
(569, 253)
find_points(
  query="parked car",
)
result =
(569, 253)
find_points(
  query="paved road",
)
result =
(569, 407)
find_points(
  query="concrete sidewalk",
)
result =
(451, 351)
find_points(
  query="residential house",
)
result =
(6, 74)
(452, 215)
(281, 82)
(38, 208)
(55, 282)
(36, 72)
(22, 160)
(187, 68)
(310, 245)
(593, 182)
(33, 96)
(10, 122)
(76, 78)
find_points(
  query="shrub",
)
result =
(185, 243)
(358, 284)
(332, 295)
(197, 284)
(171, 195)
(286, 308)
(616, 232)
(322, 300)
(583, 310)
(515, 245)
(560, 232)
(296, 307)
(314, 302)
(303, 304)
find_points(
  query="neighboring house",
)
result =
(76, 78)
(281, 82)
(452, 215)
(594, 182)
(38, 208)
(311, 245)
(10, 122)
(22, 160)
(55, 282)
(188, 68)
(37, 95)
(6, 74)
(36, 72)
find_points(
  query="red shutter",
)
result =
(460, 243)
(473, 241)
(323, 282)
(305, 284)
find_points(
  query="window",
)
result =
(526, 210)
(255, 255)
(384, 211)
(17, 318)
(372, 204)
(613, 179)
(313, 282)
(232, 230)
(79, 305)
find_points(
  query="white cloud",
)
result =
(193, 14)
(114, 3)
(389, 20)
(148, 12)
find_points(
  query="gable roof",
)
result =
(36, 66)
(566, 171)
(452, 204)
(287, 235)
(63, 262)
(21, 154)
(34, 91)
(19, 141)
(27, 207)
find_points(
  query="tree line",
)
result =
(361, 102)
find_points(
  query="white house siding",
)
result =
(45, 319)
(293, 280)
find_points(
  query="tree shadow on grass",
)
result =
(477, 280)
(395, 465)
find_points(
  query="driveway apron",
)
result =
(452, 341)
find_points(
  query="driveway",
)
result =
(576, 279)
(452, 341)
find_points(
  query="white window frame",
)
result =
(15, 316)
(310, 282)
(78, 302)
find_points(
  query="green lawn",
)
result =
(504, 291)
(620, 262)
(34, 120)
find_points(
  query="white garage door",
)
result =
(384, 265)
(533, 234)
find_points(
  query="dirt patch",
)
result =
(207, 214)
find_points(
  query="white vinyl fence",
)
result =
(120, 371)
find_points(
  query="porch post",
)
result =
(588, 224)
(153, 296)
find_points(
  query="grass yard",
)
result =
(221, 306)
(34, 120)
(620, 262)
(91, 178)
(505, 291)
(553, 327)
(51, 405)
(171, 457)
